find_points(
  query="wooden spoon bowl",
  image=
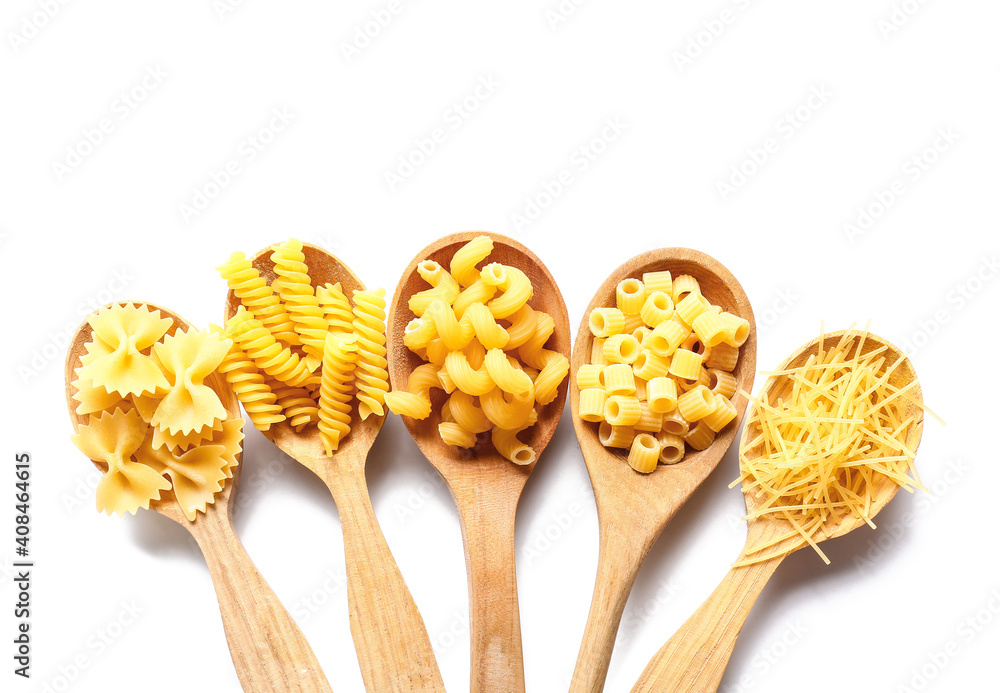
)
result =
(695, 658)
(268, 649)
(486, 486)
(634, 508)
(390, 638)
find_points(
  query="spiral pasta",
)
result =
(264, 350)
(256, 294)
(340, 357)
(485, 346)
(372, 376)
(250, 387)
(296, 292)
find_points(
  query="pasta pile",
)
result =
(302, 354)
(150, 418)
(485, 347)
(661, 369)
(837, 430)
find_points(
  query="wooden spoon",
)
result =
(268, 649)
(390, 638)
(634, 508)
(695, 658)
(486, 487)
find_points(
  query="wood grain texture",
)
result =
(634, 508)
(390, 638)
(268, 649)
(486, 487)
(695, 658)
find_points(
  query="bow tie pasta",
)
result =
(151, 420)
(485, 347)
(300, 353)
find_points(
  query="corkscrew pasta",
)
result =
(151, 420)
(660, 375)
(303, 354)
(484, 345)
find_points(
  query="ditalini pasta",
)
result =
(837, 431)
(660, 375)
(151, 420)
(304, 354)
(484, 346)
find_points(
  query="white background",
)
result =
(891, 79)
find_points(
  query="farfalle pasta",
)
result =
(309, 353)
(660, 376)
(485, 347)
(150, 419)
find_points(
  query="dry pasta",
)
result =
(660, 378)
(484, 345)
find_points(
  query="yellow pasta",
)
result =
(621, 348)
(297, 404)
(592, 401)
(658, 281)
(619, 379)
(629, 296)
(187, 358)
(296, 292)
(372, 376)
(336, 307)
(264, 350)
(657, 308)
(661, 363)
(644, 454)
(605, 322)
(340, 358)
(126, 331)
(671, 447)
(615, 436)
(648, 365)
(620, 410)
(661, 393)
(682, 286)
(590, 376)
(253, 392)
(464, 261)
(485, 346)
(258, 297)
(696, 404)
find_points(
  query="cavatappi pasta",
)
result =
(485, 347)
(151, 420)
(838, 429)
(660, 378)
(304, 354)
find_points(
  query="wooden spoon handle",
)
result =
(497, 657)
(268, 649)
(617, 565)
(695, 658)
(389, 635)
